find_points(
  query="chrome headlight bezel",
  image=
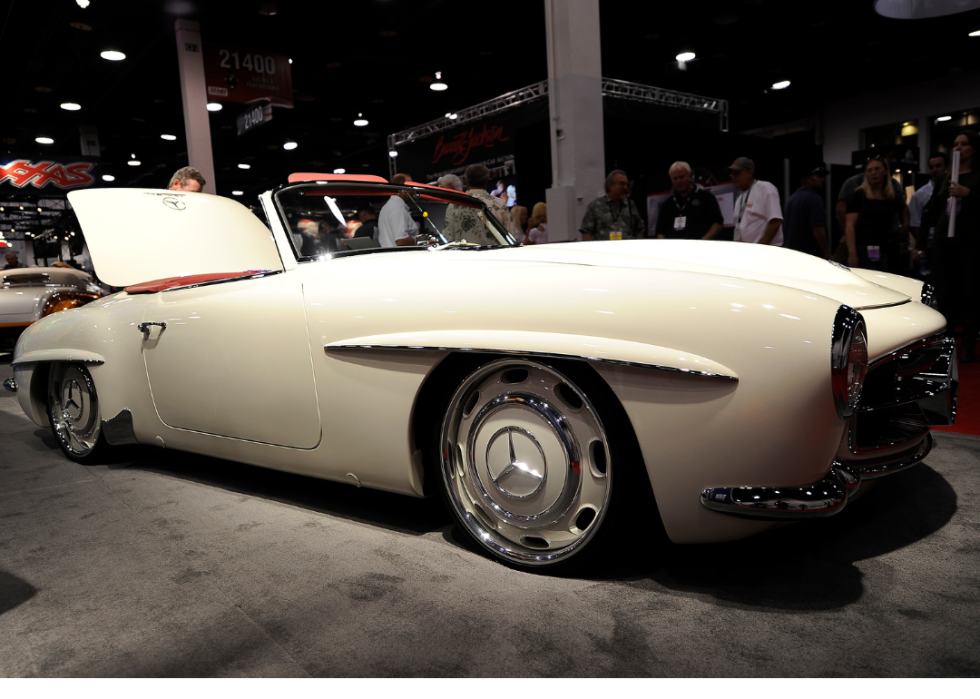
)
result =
(848, 360)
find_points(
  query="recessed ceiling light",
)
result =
(781, 85)
(237, 192)
(290, 61)
(976, 33)
(70, 106)
(393, 153)
(82, 3)
(214, 107)
(438, 85)
(944, 118)
(134, 163)
(108, 178)
(168, 137)
(289, 145)
(339, 171)
(685, 57)
(113, 55)
(44, 140)
(360, 120)
(244, 166)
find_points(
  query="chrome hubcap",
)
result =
(525, 462)
(74, 409)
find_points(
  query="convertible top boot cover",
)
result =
(137, 235)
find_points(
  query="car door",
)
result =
(234, 361)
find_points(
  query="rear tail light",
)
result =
(62, 302)
(848, 360)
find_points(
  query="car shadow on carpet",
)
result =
(809, 565)
(14, 591)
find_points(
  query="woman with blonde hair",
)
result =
(871, 215)
(517, 222)
(538, 232)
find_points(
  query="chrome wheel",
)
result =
(73, 409)
(525, 462)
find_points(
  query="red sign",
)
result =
(21, 173)
(460, 145)
(245, 76)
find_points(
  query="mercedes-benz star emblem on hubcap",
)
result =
(73, 390)
(520, 470)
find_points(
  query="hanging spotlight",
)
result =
(452, 115)
(113, 55)
(976, 33)
(289, 145)
(168, 137)
(214, 107)
(360, 120)
(781, 85)
(438, 85)
(70, 106)
(685, 57)
(392, 154)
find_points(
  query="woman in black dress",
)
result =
(872, 212)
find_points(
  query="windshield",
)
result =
(346, 218)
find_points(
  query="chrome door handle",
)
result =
(145, 327)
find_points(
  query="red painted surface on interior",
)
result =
(173, 282)
(968, 408)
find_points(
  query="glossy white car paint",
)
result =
(719, 353)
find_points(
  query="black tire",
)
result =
(73, 411)
(528, 467)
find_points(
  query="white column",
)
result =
(193, 91)
(575, 96)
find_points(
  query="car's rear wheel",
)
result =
(73, 410)
(527, 466)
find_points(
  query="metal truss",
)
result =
(531, 93)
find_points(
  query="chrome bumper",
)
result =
(824, 498)
(10, 385)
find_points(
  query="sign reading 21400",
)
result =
(235, 74)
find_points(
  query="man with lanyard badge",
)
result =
(690, 212)
(758, 216)
(613, 216)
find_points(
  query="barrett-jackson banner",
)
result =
(30, 174)
(489, 142)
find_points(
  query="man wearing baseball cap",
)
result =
(758, 218)
(805, 224)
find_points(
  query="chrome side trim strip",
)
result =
(528, 353)
(119, 429)
(824, 498)
(10, 385)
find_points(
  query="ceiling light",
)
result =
(44, 140)
(438, 85)
(70, 106)
(392, 154)
(168, 137)
(244, 166)
(82, 3)
(290, 61)
(360, 120)
(113, 55)
(781, 85)
(452, 115)
(942, 118)
(108, 178)
(214, 107)
(134, 163)
(237, 192)
(339, 171)
(290, 145)
(976, 33)
(685, 57)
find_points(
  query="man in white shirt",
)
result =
(395, 224)
(758, 216)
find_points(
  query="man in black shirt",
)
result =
(689, 213)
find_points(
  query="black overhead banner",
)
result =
(490, 140)
(50, 175)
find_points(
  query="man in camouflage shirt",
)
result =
(463, 222)
(613, 216)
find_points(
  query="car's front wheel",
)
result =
(527, 467)
(73, 410)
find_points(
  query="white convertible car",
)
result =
(553, 394)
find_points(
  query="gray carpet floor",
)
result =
(167, 564)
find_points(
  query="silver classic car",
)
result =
(31, 293)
